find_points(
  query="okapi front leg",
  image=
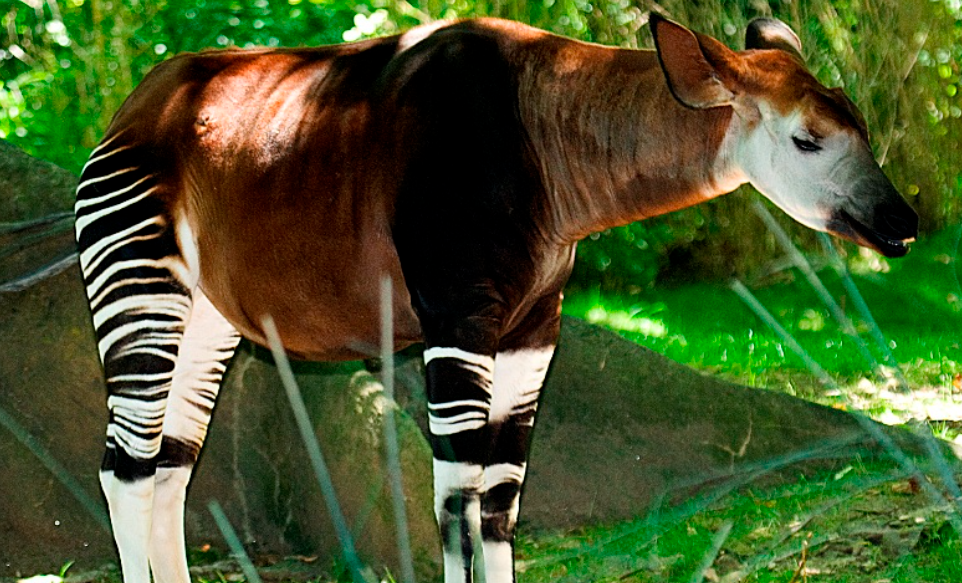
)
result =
(459, 400)
(518, 377)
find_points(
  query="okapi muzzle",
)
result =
(875, 215)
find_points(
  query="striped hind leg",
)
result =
(138, 285)
(205, 351)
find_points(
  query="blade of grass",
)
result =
(314, 453)
(712, 553)
(25, 242)
(844, 322)
(752, 302)
(782, 546)
(827, 449)
(11, 228)
(390, 432)
(656, 523)
(51, 269)
(662, 518)
(95, 510)
(370, 505)
(874, 331)
(935, 454)
(233, 541)
(868, 425)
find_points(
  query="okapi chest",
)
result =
(464, 161)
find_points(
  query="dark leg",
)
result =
(459, 395)
(459, 373)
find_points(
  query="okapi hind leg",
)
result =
(209, 343)
(136, 283)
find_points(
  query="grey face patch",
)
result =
(826, 182)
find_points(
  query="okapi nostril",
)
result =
(902, 225)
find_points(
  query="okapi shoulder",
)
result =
(440, 59)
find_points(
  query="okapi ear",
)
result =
(770, 33)
(696, 66)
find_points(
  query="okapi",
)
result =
(463, 160)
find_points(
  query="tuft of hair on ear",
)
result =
(771, 33)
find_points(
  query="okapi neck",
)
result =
(612, 144)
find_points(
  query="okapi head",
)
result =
(803, 146)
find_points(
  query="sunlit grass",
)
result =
(914, 300)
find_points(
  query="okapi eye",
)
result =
(806, 145)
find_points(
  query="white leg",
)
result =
(209, 341)
(130, 506)
(458, 507)
(168, 549)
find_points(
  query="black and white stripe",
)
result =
(480, 419)
(164, 348)
(139, 307)
(468, 375)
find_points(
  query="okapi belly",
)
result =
(322, 312)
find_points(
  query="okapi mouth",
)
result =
(848, 227)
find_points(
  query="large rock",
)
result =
(31, 188)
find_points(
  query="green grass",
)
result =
(859, 524)
(915, 301)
